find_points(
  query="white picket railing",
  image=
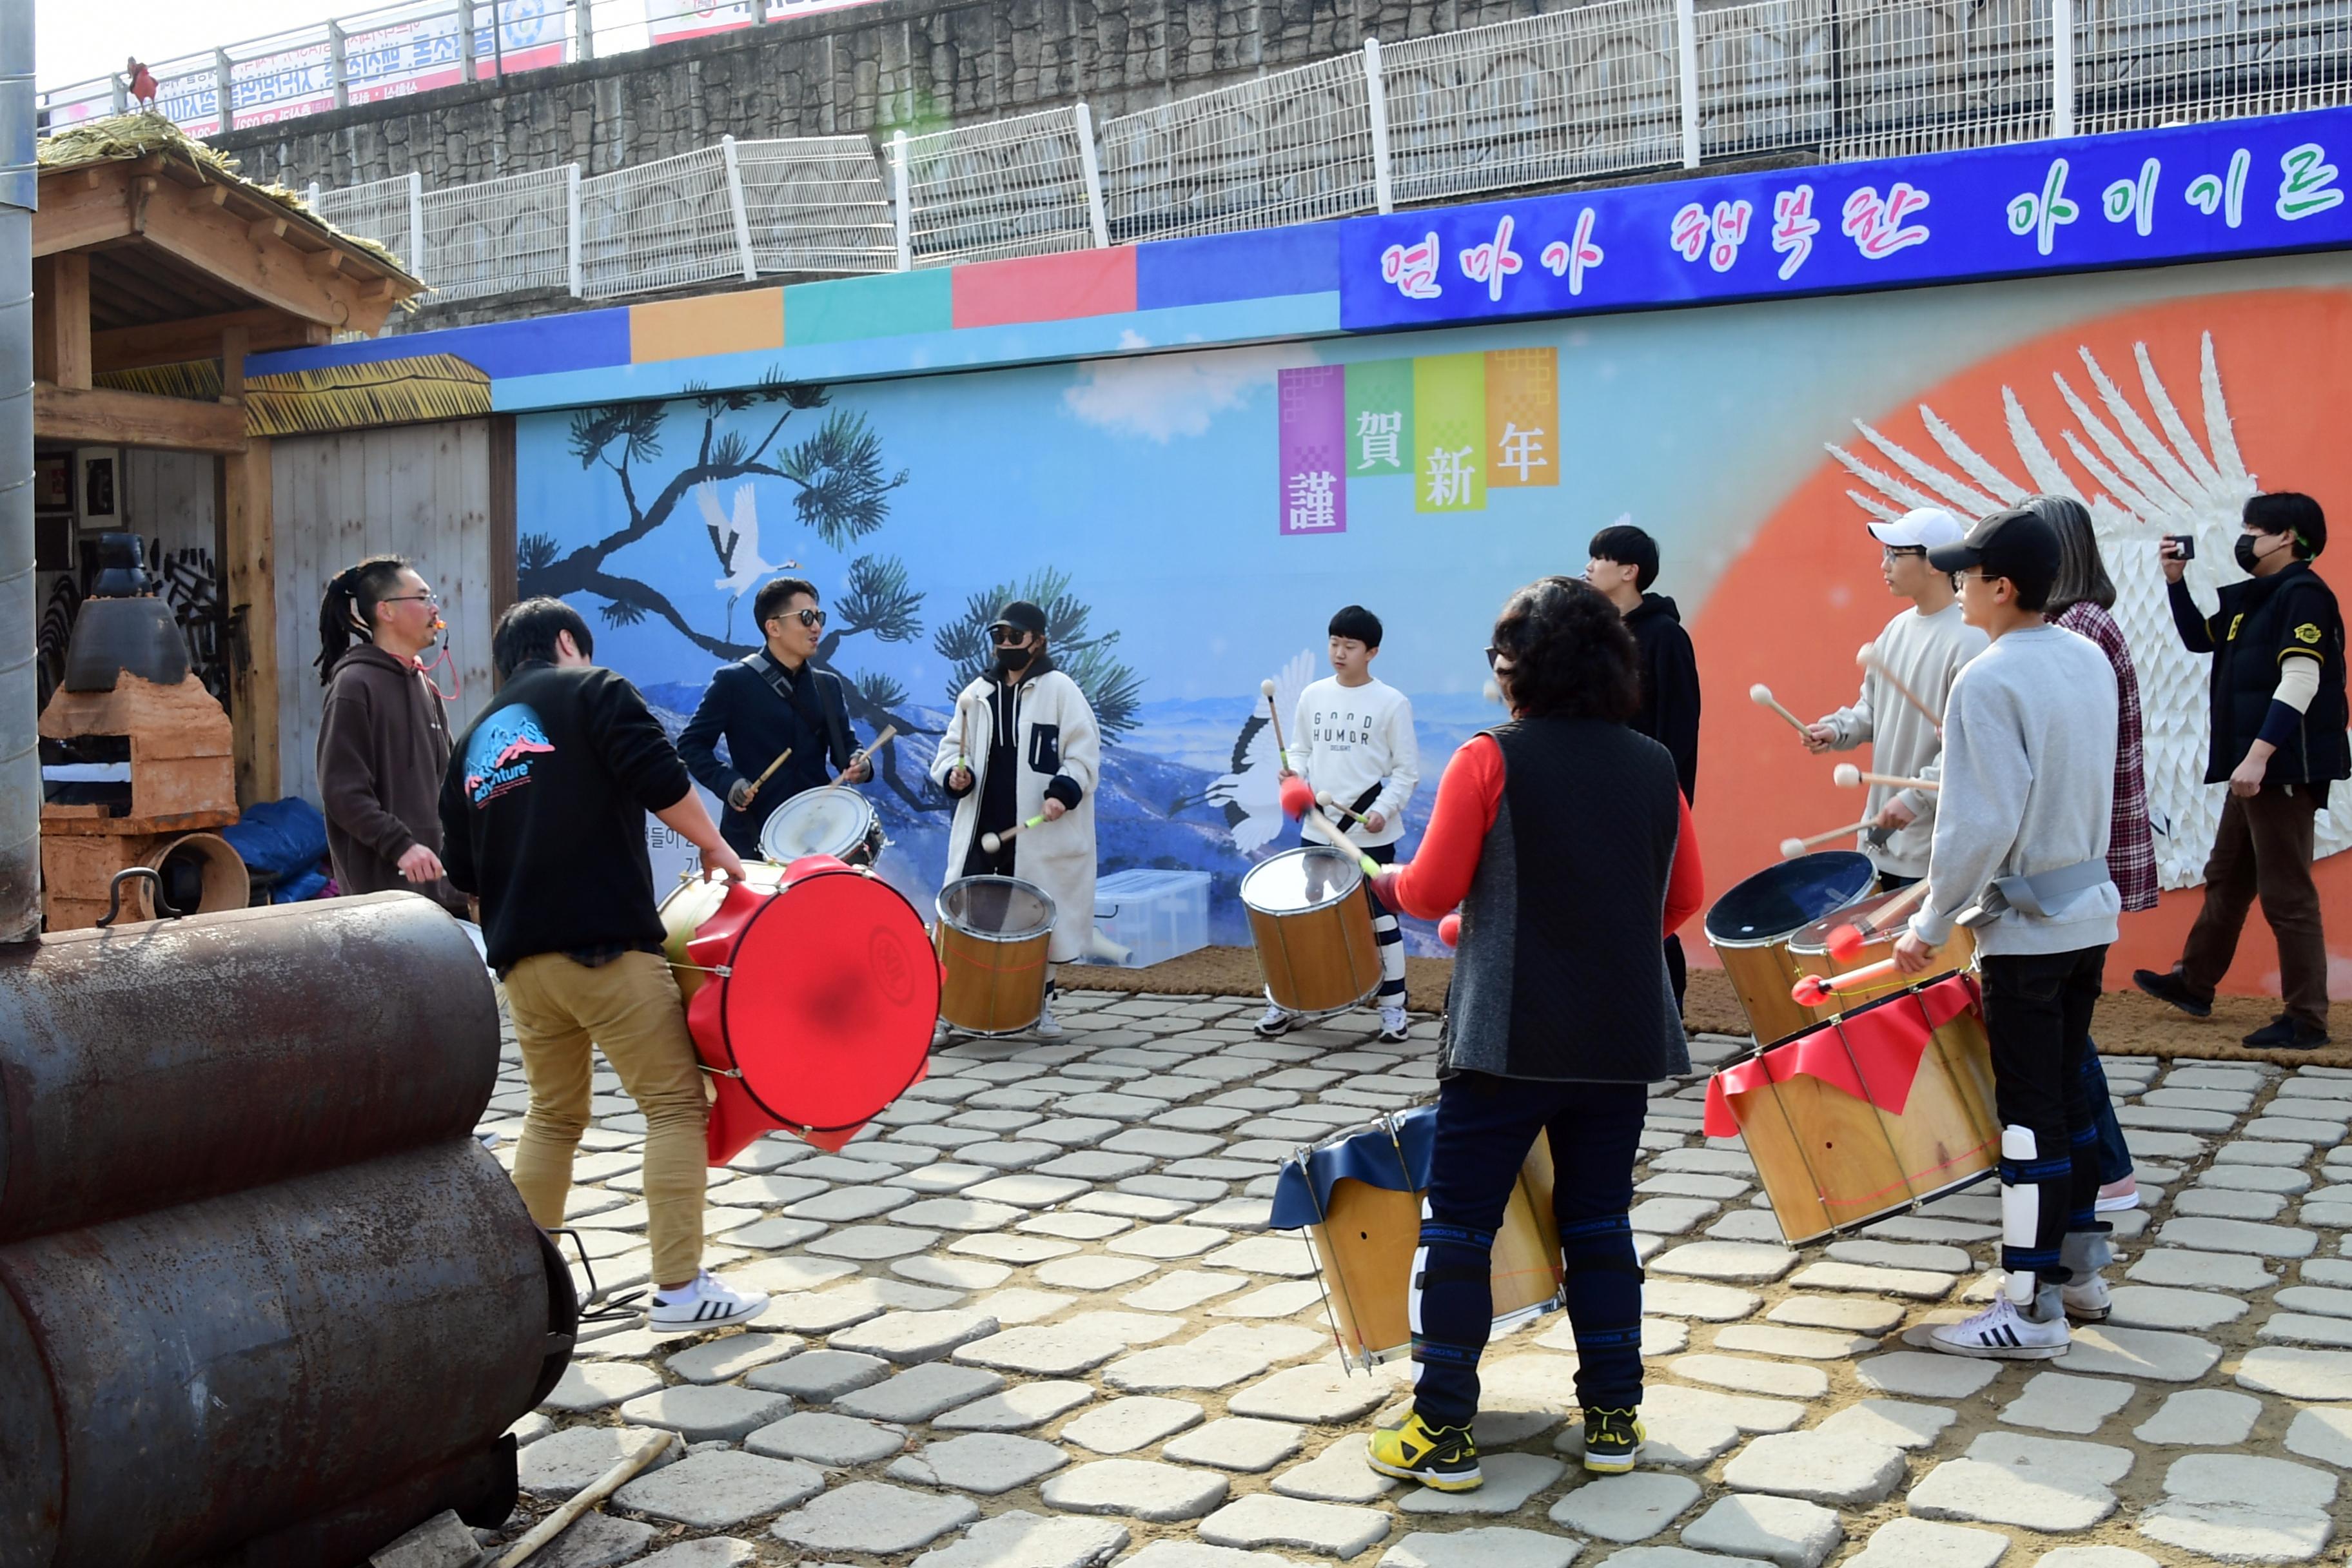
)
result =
(1614, 87)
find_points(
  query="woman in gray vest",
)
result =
(1565, 841)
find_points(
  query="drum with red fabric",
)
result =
(810, 995)
(1873, 1113)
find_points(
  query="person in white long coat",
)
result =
(1023, 745)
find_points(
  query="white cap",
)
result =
(1922, 528)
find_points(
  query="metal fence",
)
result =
(1616, 88)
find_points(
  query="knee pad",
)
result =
(1452, 1255)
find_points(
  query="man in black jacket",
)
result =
(1623, 564)
(544, 817)
(760, 705)
(2278, 741)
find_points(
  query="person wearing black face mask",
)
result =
(2278, 741)
(1023, 745)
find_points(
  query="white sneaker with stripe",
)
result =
(707, 1304)
(2001, 1333)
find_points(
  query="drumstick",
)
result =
(1868, 658)
(864, 752)
(764, 777)
(1762, 695)
(1279, 748)
(1792, 847)
(1322, 825)
(1847, 776)
(1328, 803)
(993, 842)
(1847, 939)
(1815, 989)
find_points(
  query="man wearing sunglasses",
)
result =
(764, 703)
(1022, 745)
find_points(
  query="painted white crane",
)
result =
(736, 539)
(1251, 793)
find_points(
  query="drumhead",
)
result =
(1788, 897)
(1313, 876)
(1815, 938)
(996, 909)
(831, 820)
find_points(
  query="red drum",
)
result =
(811, 1001)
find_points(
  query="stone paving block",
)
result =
(959, 1214)
(1786, 1531)
(1916, 1544)
(869, 1517)
(1337, 1474)
(1093, 1272)
(2262, 1154)
(2306, 1329)
(2211, 1417)
(920, 1393)
(2238, 1236)
(567, 1462)
(1691, 1185)
(2105, 1349)
(699, 1413)
(2239, 1478)
(719, 1487)
(1670, 1215)
(1919, 1284)
(2297, 1373)
(1262, 1519)
(1489, 1546)
(1180, 1290)
(2160, 1118)
(1628, 1508)
(2036, 1483)
(2200, 1270)
(2239, 1533)
(1074, 1224)
(1817, 1466)
(2294, 1130)
(849, 1202)
(1074, 1132)
(2324, 1434)
(774, 1234)
(1236, 1444)
(2162, 1307)
(1021, 1305)
(1899, 1254)
(1919, 1227)
(1677, 1439)
(1319, 1395)
(1744, 1412)
(781, 1276)
(1123, 1425)
(1675, 1557)
(530, 1427)
(1170, 1367)
(1510, 1481)
(951, 1273)
(1165, 1242)
(910, 1338)
(1285, 1256)
(1771, 1340)
(824, 1439)
(1855, 1314)
(1163, 1143)
(2220, 1202)
(1893, 1422)
(1042, 1350)
(595, 1541)
(708, 1551)
(1018, 1408)
(1016, 1249)
(725, 1359)
(1748, 1262)
(2277, 1179)
(2094, 1557)
(1129, 1329)
(1751, 1376)
(872, 1243)
(1018, 1539)
(1688, 1299)
(1746, 1225)
(1925, 1374)
(820, 1376)
(1140, 1488)
(1279, 1300)
(2055, 1402)
(988, 1463)
(592, 1385)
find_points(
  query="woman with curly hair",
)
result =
(1564, 838)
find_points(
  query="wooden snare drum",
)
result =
(1312, 929)
(1749, 928)
(1868, 1114)
(992, 936)
(1357, 1197)
(832, 819)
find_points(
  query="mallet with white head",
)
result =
(1762, 695)
(1867, 659)
(1846, 775)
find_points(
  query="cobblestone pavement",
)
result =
(1035, 1321)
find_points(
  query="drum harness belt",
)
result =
(2045, 894)
(782, 682)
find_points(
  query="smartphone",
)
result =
(2183, 546)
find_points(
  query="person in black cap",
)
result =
(2278, 741)
(2019, 854)
(1022, 745)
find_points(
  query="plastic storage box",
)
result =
(1156, 915)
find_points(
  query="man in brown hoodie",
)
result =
(383, 740)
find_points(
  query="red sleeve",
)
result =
(1686, 883)
(1468, 795)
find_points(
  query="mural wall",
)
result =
(1193, 518)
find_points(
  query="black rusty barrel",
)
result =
(175, 1383)
(154, 1064)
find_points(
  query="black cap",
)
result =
(1021, 616)
(2016, 543)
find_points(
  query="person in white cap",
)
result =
(1923, 647)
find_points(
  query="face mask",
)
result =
(1013, 660)
(2248, 557)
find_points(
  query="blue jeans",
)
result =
(1485, 1125)
(2115, 1154)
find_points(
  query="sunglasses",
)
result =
(1495, 657)
(810, 618)
(1004, 636)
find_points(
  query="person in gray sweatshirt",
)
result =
(2020, 855)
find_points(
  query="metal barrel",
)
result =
(175, 1385)
(148, 1065)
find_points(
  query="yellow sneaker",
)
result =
(1444, 1457)
(1611, 1439)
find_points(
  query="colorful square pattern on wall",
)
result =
(1451, 424)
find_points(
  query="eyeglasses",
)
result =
(1979, 576)
(432, 599)
(1897, 551)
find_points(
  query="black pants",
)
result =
(1484, 1127)
(1677, 970)
(2262, 849)
(2038, 1019)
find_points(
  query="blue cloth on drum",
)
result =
(1302, 1192)
(1484, 1127)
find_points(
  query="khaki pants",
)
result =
(629, 1008)
(2262, 849)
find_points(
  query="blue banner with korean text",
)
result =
(2195, 193)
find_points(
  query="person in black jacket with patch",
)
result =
(1623, 564)
(2278, 741)
(764, 703)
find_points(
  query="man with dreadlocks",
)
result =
(383, 740)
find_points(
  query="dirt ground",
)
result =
(2129, 1024)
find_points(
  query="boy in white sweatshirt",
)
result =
(1351, 739)
(2020, 850)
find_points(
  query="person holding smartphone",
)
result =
(2278, 741)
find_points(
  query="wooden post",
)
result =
(232, 358)
(250, 584)
(61, 320)
(505, 569)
